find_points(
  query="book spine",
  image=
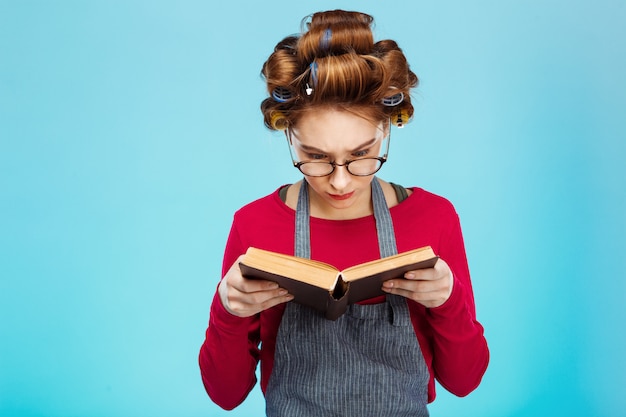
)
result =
(336, 308)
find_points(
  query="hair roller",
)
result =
(335, 62)
(400, 117)
(394, 100)
(282, 94)
(278, 120)
(325, 40)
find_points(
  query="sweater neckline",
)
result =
(369, 218)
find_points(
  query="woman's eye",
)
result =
(361, 154)
(317, 156)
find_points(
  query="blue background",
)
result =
(130, 133)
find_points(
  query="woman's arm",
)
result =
(229, 356)
(460, 352)
(230, 352)
(459, 349)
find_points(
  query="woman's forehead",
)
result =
(336, 130)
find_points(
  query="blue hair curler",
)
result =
(282, 94)
(325, 41)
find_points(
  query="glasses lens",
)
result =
(316, 169)
(365, 166)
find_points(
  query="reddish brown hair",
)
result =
(336, 56)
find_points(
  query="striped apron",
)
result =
(366, 363)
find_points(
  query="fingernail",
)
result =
(409, 275)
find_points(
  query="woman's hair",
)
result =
(335, 63)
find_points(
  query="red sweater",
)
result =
(450, 338)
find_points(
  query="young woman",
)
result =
(336, 94)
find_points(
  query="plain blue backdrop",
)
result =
(130, 133)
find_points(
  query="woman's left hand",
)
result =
(430, 287)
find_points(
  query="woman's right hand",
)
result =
(244, 297)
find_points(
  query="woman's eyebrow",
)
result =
(367, 144)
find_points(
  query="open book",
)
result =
(323, 287)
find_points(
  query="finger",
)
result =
(249, 304)
(247, 285)
(427, 298)
(283, 297)
(412, 286)
(439, 271)
(261, 297)
(421, 275)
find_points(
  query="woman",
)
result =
(336, 94)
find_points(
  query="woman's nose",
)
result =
(340, 177)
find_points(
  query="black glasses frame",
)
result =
(333, 164)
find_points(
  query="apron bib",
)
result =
(366, 363)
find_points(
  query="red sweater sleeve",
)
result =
(230, 353)
(460, 352)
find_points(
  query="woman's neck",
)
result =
(322, 210)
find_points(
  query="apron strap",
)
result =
(303, 228)
(384, 224)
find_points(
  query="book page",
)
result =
(312, 272)
(385, 264)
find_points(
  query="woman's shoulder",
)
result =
(270, 203)
(426, 200)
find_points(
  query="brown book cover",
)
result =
(326, 289)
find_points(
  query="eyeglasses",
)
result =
(360, 167)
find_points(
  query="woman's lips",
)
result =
(341, 196)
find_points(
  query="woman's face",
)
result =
(332, 135)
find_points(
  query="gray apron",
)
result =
(366, 363)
